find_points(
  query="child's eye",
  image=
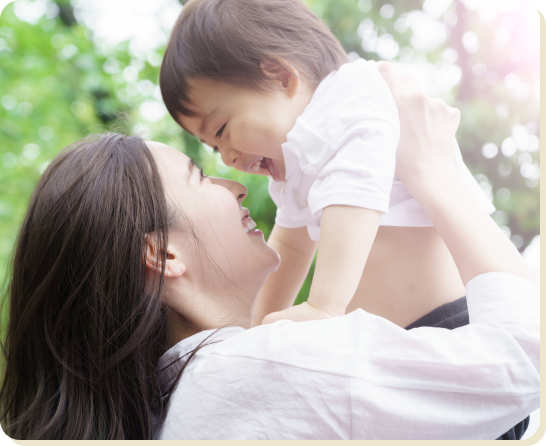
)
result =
(219, 132)
(215, 149)
(203, 176)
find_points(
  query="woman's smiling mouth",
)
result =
(249, 225)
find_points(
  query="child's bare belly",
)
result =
(409, 273)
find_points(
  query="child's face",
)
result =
(246, 127)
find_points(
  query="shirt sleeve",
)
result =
(284, 217)
(347, 138)
(362, 377)
(361, 171)
(474, 382)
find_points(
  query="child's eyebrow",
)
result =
(205, 118)
(187, 131)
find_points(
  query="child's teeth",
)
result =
(256, 165)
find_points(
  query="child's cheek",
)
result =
(242, 137)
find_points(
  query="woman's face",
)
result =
(225, 263)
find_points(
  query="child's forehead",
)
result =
(203, 99)
(205, 87)
(206, 97)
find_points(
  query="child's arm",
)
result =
(281, 288)
(347, 234)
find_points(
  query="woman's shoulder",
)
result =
(252, 384)
(310, 345)
(285, 342)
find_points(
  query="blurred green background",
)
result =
(70, 68)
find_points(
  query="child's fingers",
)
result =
(271, 317)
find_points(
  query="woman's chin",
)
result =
(275, 260)
(271, 259)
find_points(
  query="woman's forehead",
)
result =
(165, 155)
(174, 167)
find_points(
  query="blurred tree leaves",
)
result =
(49, 80)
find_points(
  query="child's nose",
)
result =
(230, 157)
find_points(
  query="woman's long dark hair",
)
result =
(85, 332)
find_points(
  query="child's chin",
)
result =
(273, 171)
(263, 172)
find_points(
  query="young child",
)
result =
(268, 86)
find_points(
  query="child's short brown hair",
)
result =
(227, 40)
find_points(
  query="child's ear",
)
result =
(282, 72)
(174, 267)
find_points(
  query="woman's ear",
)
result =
(174, 267)
(283, 73)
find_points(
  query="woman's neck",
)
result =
(179, 328)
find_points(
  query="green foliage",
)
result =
(57, 85)
(50, 79)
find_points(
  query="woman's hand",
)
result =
(424, 163)
(427, 129)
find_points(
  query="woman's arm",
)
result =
(424, 163)
(360, 376)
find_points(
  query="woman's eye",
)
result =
(215, 149)
(219, 132)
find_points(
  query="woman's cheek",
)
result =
(224, 213)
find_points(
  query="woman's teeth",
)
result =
(255, 166)
(249, 225)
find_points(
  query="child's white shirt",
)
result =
(342, 151)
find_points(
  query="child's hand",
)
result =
(298, 313)
(427, 128)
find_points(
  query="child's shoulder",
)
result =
(360, 77)
(354, 93)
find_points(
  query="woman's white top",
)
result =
(342, 151)
(360, 376)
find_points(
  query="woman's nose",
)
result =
(237, 189)
(230, 157)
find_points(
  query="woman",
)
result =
(127, 251)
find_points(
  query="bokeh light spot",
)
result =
(490, 150)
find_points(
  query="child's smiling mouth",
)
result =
(265, 166)
(255, 166)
